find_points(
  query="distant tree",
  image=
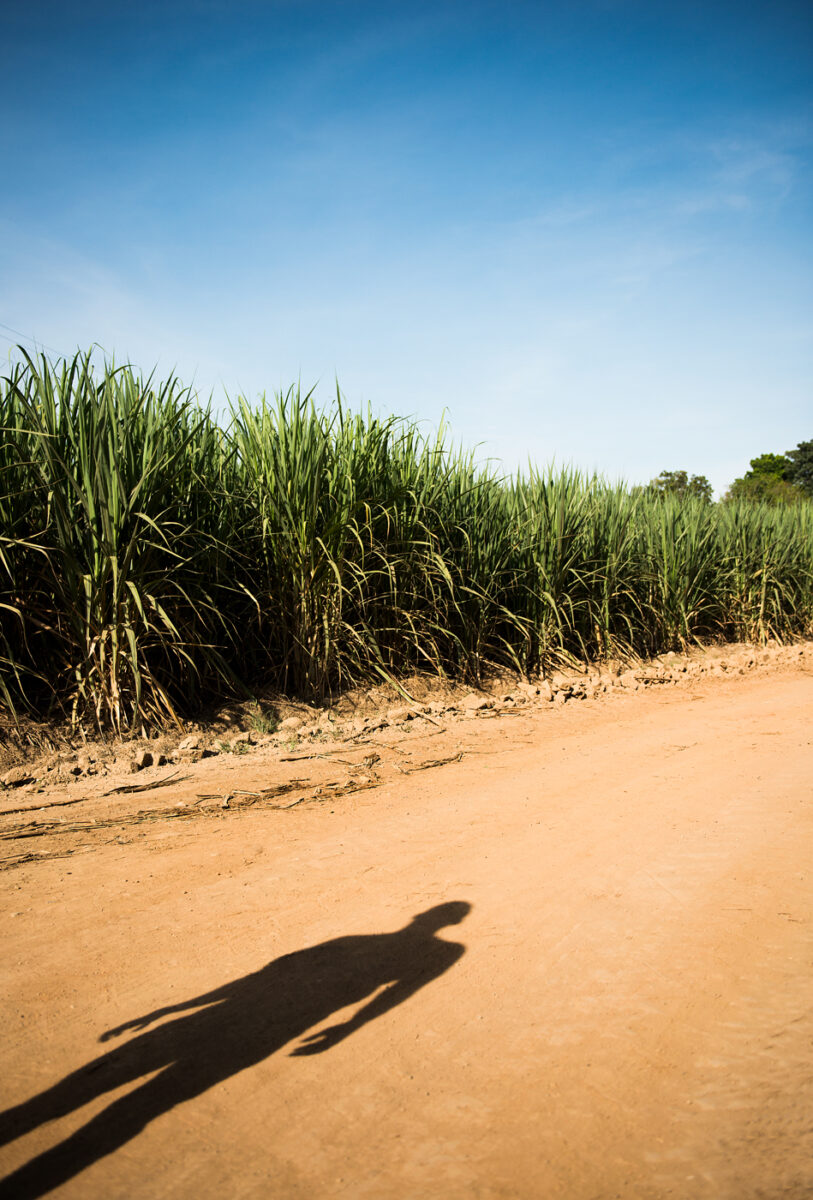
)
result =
(680, 483)
(801, 467)
(770, 479)
(769, 466)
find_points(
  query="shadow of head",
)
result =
(451, 913)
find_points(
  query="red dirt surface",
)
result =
(606, 992)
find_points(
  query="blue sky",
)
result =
(584, 230)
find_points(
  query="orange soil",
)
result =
(624, 1009)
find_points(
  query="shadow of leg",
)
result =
(104, 1074)
(112, 1128)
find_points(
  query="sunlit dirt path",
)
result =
(607, 991)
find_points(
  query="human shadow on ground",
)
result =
(235, 1027)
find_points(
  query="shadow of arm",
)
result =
(182, 1006)
(389, 998)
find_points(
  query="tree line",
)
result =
(772, 478)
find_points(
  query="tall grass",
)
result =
(151, 556)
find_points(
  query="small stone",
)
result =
(629, 680)
(291, 723)
(396, 715)
(242, 739)
(544, 691)
(17, 776)
(374, 723)
(192, 742)
(141, 759)
(475, 703)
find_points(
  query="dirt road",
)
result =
(607, 990)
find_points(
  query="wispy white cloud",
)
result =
(712, 201)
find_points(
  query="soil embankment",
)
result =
(607, 991)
